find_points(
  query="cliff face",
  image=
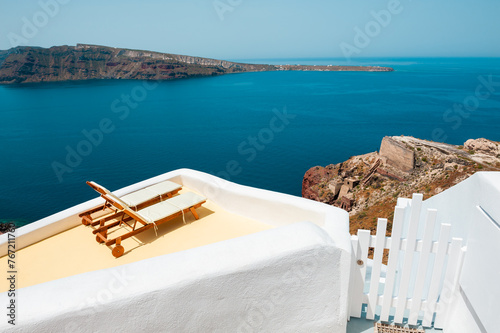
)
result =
(3, 56)
(368, 185)
(61, 63)
(84, 62)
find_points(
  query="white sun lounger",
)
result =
(135, 200)
(149, 217)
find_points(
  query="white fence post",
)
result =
(376, 267)
(436, 274)
(450, 281)
(416, 206)
(390, 279)
(358, 278)
(422, 266)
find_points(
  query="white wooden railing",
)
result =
(420, 276)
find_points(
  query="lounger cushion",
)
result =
(186, 200)
(138, 197)
(164, 187)
(170, 207)
(115, 199)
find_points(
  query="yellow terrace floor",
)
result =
(76, 250)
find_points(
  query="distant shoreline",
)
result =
(29, 64)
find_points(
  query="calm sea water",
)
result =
(205, 123)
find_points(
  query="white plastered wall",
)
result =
(291, 278)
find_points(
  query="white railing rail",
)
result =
(421, 274)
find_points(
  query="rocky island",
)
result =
(24, 64)
(367, 186)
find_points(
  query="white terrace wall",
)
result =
(479, 287)
(286, 279)
(292, 278)
(457, 205)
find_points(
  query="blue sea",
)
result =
(258, 129)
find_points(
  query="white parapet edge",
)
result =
(273, 208)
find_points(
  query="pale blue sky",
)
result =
(260, 28)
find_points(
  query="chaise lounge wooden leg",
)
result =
(195, 214)
(118, 250)
(86, 220)
(101, 236)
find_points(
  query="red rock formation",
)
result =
(313, 179)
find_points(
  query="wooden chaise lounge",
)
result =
(136, 200)
(147, 218)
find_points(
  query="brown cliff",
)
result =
(368, 185)
(84, 62)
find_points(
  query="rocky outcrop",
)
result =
(316, 183)
(84, 62)
(368, 185)
(483, 146)
(330, 184)
(396, 154)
